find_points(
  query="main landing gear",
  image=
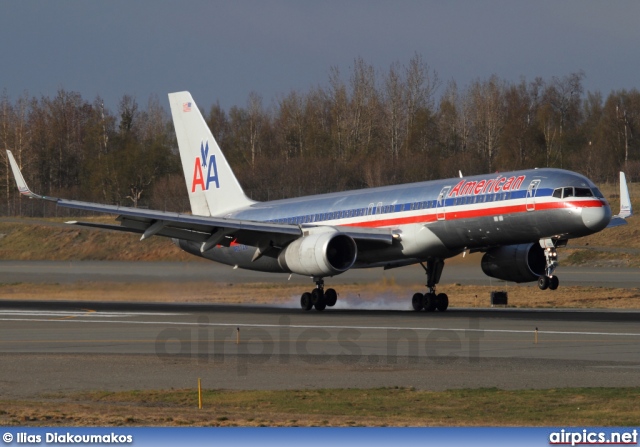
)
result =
(431, 301)
(318, 297)
(548, 280)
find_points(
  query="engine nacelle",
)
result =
(517, 263)
(319, 254)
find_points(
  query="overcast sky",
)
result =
(224, 50)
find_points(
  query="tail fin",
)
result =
(213, 189)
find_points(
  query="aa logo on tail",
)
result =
(209, 164)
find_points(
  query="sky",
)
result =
(222, 51)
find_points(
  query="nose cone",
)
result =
(596, 218)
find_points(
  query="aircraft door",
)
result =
(370, 209)
(441, 203)
(531, 195)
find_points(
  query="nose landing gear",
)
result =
(548, 280)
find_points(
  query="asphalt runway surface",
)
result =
(455, 271)
(56, 347)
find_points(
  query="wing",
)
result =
(208, 231)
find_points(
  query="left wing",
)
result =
(208, 231)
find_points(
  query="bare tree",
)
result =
(395, 110)
(488, 119)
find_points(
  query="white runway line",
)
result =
(92, 313)
(304, 326)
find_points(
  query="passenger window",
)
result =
(557, 193)
(568, 192)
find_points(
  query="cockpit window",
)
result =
(597, 193)
(583, 192)
(569, 191)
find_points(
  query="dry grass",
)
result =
(381, 294)
(51, 239)
(333, 407)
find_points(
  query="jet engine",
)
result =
(518, 263)
(319, 254)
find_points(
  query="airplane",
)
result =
(517, 219)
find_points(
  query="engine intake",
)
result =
(325, 253)
(517, 263)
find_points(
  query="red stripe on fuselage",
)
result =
(453, 214)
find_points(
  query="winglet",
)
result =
(625, 201)
(22, 185)
(626, 210)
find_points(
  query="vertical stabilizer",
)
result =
(213, 188)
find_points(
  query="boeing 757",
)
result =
(517, 219)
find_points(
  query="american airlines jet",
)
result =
(518, 219)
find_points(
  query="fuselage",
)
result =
(439, 218)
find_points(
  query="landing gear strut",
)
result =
(318, 297)
(431, 301)
(548, 280)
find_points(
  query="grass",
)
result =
(51, 239)
(383, 294)
(334, 407)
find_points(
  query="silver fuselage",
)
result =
(436, 219)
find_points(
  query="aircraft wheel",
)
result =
(416, 301)
(320, 305)
(429, 302)
(330, 297)
(317, 296)
(442, 302)
(543, 283)
(305, 301)
(554, 282)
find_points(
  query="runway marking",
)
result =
(305, 326)
(74, 314)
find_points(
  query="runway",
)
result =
(64, 346)
(457, 270)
